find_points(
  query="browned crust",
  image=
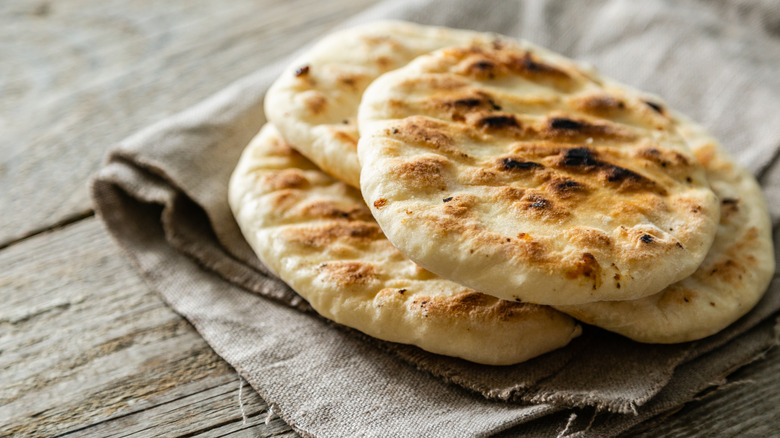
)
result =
(349, 273)
(317, 237)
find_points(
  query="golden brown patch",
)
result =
(484, 63)
(737, 261)
(330, 210)
(447, 83)
(345, 138)
(384, 62)
(478, 176)
(728, 270)
(665, 158)
(563, 128)
(728, 208)
(459, 205)
(373, 41)
(379, 203)
(425, 132)
(508, 193)
(536, 204)
(286, 179)
(599, 104)
(529, 249)
(529, 66)
(475, 306)
(591, 238)
(285, 199)
(350, 273)
(423, 172)
(280, 148)
(354, 232)
(315, 103)
(457, 107)
(588, 267)
(350, 80)
(565, 188)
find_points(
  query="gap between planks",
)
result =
(60, 224)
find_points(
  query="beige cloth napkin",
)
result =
(162, 195)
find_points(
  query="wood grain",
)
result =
(747, 406)
(80, 75)
(87, 348)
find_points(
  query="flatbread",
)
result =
(317, 235)
(314, 102)
(731, 280)
(516, 172)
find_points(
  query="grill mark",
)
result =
(562, 123)
(322, 236)
(330, 210)
(349, 273)
(620, 174)
(655, 107)
(566, 188)
(567, 128)
(580, 157)
(302, 71)
(425, 133)
(527, 65)
(286, 179)
(512, 164)
(600, 104)
(497, 122)
(585, 160)
(425, 172)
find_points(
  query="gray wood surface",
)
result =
(77, 76)
(86, 348)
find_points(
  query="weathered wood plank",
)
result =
(747, 406)
(80, 75)
(84, 341)
(214, 411)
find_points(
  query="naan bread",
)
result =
(314, 102)
(318, 236)
(730, 281)
(513, 171)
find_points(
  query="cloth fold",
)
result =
(162, 196)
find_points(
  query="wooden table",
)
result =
(86, 348)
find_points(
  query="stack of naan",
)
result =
(477, 196)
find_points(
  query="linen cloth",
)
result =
(162, 195)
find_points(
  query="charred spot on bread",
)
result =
(513, 164)
(302, 71)
(502, 121)
(655, 106)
